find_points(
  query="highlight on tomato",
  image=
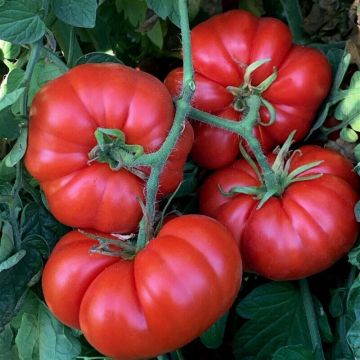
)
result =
(87, 128)
(300, 229)
(236, 54)
(146, 303)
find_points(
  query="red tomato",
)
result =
(63, 117)
(222, 47)
(172, 291)
(303, 231)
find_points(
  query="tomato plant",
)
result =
(90, 133)
(61, 138)
(299, 231)
(223, 48)
(172, 291)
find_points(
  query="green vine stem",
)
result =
(33, 58)
(244, 128)
(159, 158)
(70, 60)
(311, 320)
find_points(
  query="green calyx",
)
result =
(247, 89)
(281, 169)
(112, 149)
(119, 247)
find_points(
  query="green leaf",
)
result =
(56, 341)
(357, 215)
(256, 7)
(323, 322)
(348, 135)
(295, 20)
(6, 339)
(336, 59)
(61, 32)
(354, 254)
(134, 10)
(337, 303)
(12, 81)
(353, 299)
(353, 339)
(213, 337)
(294, 352)
(156, 35)
(8, 50)
(348, 110)
(9, 125)
(36, 221)
(14, 283)
(21, 21)
(40, 336)
(166, 8)
(350, 105)
(26, 337)
(276, 318)
(6, 241)
(357, 157)
(44, 71)
(6, 173)
(80, 13)
(97, 57)
(10, 98)
(355, 123)
(18, 150)
(12, 260)
(340, 68)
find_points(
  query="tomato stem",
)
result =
(244, 128)
(183, 107)
(311, 320)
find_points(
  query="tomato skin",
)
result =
(222, 47)
(302, 232)
(63, 117)
(173, 290)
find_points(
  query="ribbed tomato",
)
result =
(171, 292)
(63, 118)
(222, 48)
(303, 231)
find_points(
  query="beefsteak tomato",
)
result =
(222, 48)
(303, 231)
(63, 118)
(171, 292)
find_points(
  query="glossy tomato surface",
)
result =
(63, 118)
(172, 291)
(222, 47)
(303, 231)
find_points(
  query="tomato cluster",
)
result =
(90, 125)
(222, 49)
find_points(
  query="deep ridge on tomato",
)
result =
(221, 48)
(300, 233)
(173, 290)
(63, 117)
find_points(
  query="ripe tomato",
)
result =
(222, 48)
(63, 117)
(299, 233)
(172, 291)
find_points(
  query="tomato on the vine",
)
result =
(64, 115)
(172, 291)
(298, 233)
(223, 47)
